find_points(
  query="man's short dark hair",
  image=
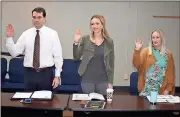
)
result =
(39, 10)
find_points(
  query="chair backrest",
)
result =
(134, 83)
(3, 69)
(70, 74)
(16, 70)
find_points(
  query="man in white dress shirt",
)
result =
(42, 49)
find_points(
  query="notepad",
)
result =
(47, 95)
(80, 97)
(21, 95)
(90, 96)
(39, 95)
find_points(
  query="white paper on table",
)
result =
(42, 94)
(167, 98)
(80, 97)
(175, 99)
(22, 95)
(96, 96)
(164, 96)
(158, 99)
(90, 96)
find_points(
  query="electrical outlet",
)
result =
(126, 76)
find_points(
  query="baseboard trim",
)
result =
(177, 89)
(121, 88)
(126, 88)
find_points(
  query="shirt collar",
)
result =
(41, 29)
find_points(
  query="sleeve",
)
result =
(78, 49)
(57, 54)
(112, 59)
(139, 58)
(139, 61)
(170, 74)
(18, 48)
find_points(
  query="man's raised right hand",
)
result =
(9, 30)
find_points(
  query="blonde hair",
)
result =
(104, 30)
(163, 48)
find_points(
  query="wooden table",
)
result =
(126, 105)
(36, 108)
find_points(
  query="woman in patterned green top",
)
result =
(154, 76)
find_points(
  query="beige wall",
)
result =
(125, 22)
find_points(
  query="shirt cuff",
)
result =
(137, 49)
(57, 73)
(9, 40)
